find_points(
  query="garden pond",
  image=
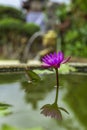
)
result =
(21, 100)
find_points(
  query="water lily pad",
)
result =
(32, 75)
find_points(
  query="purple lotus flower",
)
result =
(54, 60)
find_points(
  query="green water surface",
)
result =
(26, 99)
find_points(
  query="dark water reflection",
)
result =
(28, 98)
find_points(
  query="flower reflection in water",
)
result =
(51, 110)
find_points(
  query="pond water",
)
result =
(27, 98)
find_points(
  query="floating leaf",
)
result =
(32, 75)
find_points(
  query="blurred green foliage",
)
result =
(17, 27)
(30, 28)
(80, 5)
(10, 24)
(7, 11)
(61, 12)
(73, 28)
(14, 32)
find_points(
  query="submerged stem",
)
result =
(57, 83)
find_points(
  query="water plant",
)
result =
(54, 61)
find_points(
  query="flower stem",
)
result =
(57, 87)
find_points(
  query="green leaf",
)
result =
(32, 75)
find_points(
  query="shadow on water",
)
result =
(30, 97)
